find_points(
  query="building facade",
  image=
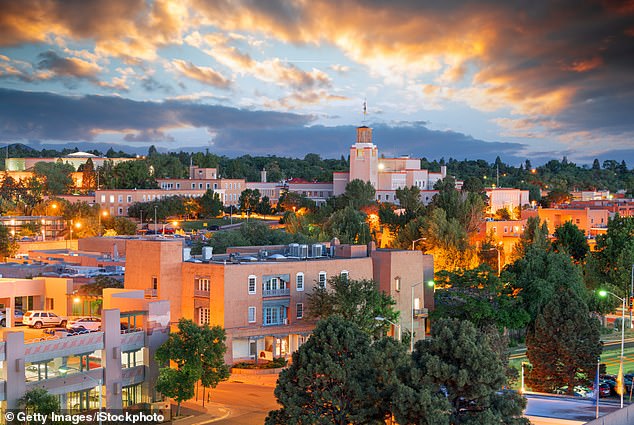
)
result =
(259, 294)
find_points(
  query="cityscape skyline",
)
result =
(461, 79)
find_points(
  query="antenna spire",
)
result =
(365, 109)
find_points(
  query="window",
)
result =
(203, 316)
(129, 198)
(112, 199)
(299, 307)
(203, 284)
(50, 304)
(252, 283)
(103, 199)
(299, 281)
(344, 275)
(275, 315)
(154, 282)
(120, 198)
(322, 279)
(178, 185)
(397, 283)
(251, 314)
(120, 210)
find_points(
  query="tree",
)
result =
(464, 361)
(613, 256)
(210, 204)
(8, 245)
(564, 345)
(264, 207)
(502, 214)
(88, 175)
(349, 226)
(409, 200)
(249, 199)
(478, 295)
(121, 226)
(535, 234)
(338, 377)
(38, 400)
(358, 301)
(133, 175)
(540, 274)
(212, 352)
(359, 194)
(569, 239)
(448, 241)
(56, 176)
(197, 353)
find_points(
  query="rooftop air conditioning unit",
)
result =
(187, 254)
(317, 250)
(294, 250)
(303, 251)
(208, 252)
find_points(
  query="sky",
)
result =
(439, 79)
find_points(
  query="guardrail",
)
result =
(276, 292)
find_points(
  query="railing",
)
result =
(151, 293)
(276, 292)
(201, 293)
(420, 312)
(278, 323)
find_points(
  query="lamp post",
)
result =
(411, 330)
(66, 369)
(383, 319)
(155, 225)
(522, 388)
(416, 240)
(105, 214)
(604, 293)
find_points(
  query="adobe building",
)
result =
(385, 174)
(259, 295)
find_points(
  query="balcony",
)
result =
(280, 322)
(151, 293)
(420, 312)
(276, 292)
(201, 293)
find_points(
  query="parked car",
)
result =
(39, 318)
(89, 322)
(17, 317)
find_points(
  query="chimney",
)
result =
(263, 175)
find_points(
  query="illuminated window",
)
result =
(203, 316)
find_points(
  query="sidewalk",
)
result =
(212, 412)
(265, 380)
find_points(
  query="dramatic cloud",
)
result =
(67, 67)
(202, 74)
(47, 116)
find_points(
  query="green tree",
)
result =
(349, 226)
(210, 204)
(212, 352)
(359, 194)
(611, 261)
(8, 245)
(478, 295)
(264, 207)
(570, 239)
(134, 174)
(358, 301)
(121, 226)
(198, 353)
(56, 176)
(88, 175)
(540, 274)
(465, 362)
(38, 400)
(249, 200)
(535, 233)
(448, 241)
(409, 200)
(564, 344)
(338, 377)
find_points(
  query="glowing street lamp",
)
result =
(383, 319)
(604, 293)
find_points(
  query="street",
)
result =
(248, 404)
(571, 409)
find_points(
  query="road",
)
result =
(249, 404)
(571, 409)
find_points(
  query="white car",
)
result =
(17, 317)
(88, 322)
(39, 318)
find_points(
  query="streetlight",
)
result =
(105, 214)
(604, 293)
(383, 319)
(66, 369)
(522, 388)
(155, 225)
(416, 240)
